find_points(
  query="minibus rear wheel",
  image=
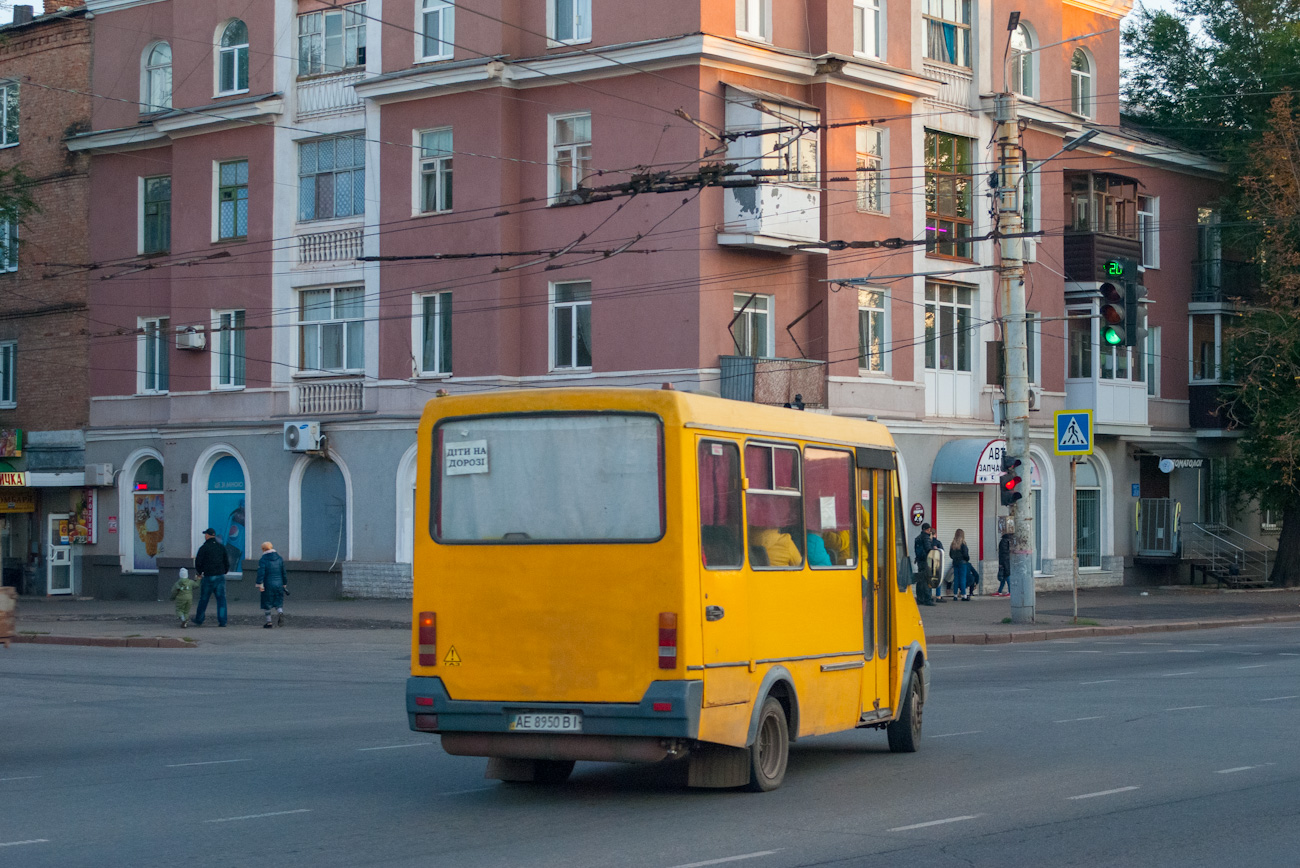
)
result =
(905, 732)
(770, 751)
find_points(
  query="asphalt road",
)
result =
(1148, 750)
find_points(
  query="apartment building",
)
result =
(323, 215)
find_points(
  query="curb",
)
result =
(1080, 632)
(105, 641)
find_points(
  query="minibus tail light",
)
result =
(428, 638)
(667, 640)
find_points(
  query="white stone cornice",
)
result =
(219, 117)
(113, 141)
(99, 7)
(1110, 8)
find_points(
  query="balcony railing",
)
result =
(773, 381)
(328, 396)
(955, 85)
(1221, 280)
(1085, 254)
(332, 246)
(771, 216)
(329, 95)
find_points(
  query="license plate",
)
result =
(545, 721)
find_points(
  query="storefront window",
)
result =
(147, 503)
(226, 508)
(1087, 500)
(324, 496)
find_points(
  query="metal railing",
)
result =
(329, 396)
(1226, 555)
(773, 381)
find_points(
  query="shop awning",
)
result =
(969, 461)
(1167, 450)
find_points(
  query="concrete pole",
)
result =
(1011, 273)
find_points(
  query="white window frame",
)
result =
(933, 307)
(9, 114)
(578, 164)
(149, 74)
(555, 306)
(869, 20)
(356, 171)
(439, 164)
(144, 215)
(304, 326)
(871, 180)
(9, 246)
(445, 10)
(1082, 84)
(1192, 360)
(874, 303)
(934, 11)
(1034, 346)
(580, 23)
(764, 305)
(1149, 230)
(1022, 65)
(229, 340)
(443, 307)
(348, 59)
(155, 330)
(754, 20)
(8, 374)
(216, 200)
(1152, 351)
(237, 51)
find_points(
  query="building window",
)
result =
(331, 329)
(331, 178)
(1205, 337)
(947, 31)
(232, 59)
(333, 40)
(868, 28)
(437, 28)
(1020, 69)
(434, 317)
(1209, 256)
(153, 355)
(948, 186)
(1087, 499)
(8, 245)
(157, 215)
(323, 513)
(1152, 360)
(570, 152)
(872, 330)
(569, 20)
(1214, 491)
(871, 167)
(948, 326)
(9, 374)
(229, 334)
(9, 109)
(1079, 342)
(1081, 83)
(1101, 202)
(232, 200)
(754, 19)
(435, 170)
(1270, 520)
(1148, 211)
(148, 518)
(571, 325)
(226, 509)
(157, 78)
(1033, 346)
(751, 328)
(1027, 186)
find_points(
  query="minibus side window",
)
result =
(901, 555)
(774, 506)
(720, 539)
(829, 507)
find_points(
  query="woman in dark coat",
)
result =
(271, 582)
(959, 555)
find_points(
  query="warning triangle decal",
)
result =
(1073, 436)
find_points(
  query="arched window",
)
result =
(324, 512)
(227, 509)
(1081, 83)
(406, 507)
(232, 58)
(157, 78)
(1020, 72)
(1087, 502)
(148, 518)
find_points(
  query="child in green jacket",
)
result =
(183, 594)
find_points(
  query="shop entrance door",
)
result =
(58, 555)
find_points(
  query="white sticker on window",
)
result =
(828, 512)
(470, 456)
(717, 448)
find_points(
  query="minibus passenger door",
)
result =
(870, 591)
(724, 585)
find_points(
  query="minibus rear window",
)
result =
(548, 478)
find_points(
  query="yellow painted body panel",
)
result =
(579, 622)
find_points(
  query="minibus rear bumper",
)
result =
(645, 731)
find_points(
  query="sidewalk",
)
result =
(983, 620)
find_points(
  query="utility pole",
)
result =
(1011, 279)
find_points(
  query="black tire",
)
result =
(770, 752)
(553, 771)
(905, 732)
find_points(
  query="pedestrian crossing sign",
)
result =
(1074, 432)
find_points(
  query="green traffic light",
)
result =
(1112, 337)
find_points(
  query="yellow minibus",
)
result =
(644, 575)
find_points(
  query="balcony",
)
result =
(1224, 280)
(333, 246)
(325, 397)
(1086, 253)
(1103, 213)
(1118, 403)
(773, 381)
(955, 85)
(1205, 408)
(771, 217)
(329, 95)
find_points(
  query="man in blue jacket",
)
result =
(211, 563)
(271, 582)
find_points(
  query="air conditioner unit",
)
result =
(302, 436)
(1035, 400)
(99, 475)
(190, 338)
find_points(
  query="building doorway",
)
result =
(58, 560)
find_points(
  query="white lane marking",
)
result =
(1134, 652)
(1234, 770)
(1103, 681)
(1253, 666)
(23, 778)
(1245, 653)
(725, 859)
(934, 823)
(1077, 719)
(208, 763)
(20, 843)
(1187, 707)
(1082, 651)
(1172, 674)
(1279, 698)
(463, 792)
(1185, 651)
(260, 816)
(1032, 651)
(1009, 690)
(397, 746)
(1208, 644)
(1289, 654)
(955, 734)
(1102, 793)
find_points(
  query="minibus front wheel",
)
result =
(770, 752)
(905, 732)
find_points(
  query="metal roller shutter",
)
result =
(959, 509)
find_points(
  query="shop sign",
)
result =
(17, 501)
(14, 479)
(83, 516)
(112, 524)
(11, 443)
(918, 514)
(989, 469)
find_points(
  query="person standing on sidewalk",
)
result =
(960, 556)
(211, 563)
(271, 582)
(921, 550)
(1004, 564)
(183, 594)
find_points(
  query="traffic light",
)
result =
(1011, 480)
(1135, 314)
(1114, 331)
